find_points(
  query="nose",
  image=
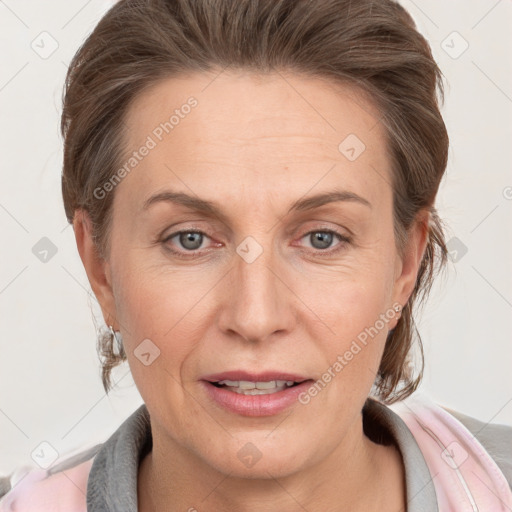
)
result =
(257, 301)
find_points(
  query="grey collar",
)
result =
(421, 494)
(112, 484)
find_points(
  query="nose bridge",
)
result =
(257, 303)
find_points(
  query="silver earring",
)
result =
(398, 308)
(119, 349)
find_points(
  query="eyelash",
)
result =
(343, 239)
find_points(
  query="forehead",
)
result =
(248, 126)
(256, 105)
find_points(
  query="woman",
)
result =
(251, 186)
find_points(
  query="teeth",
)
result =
(270, 384)
(244, 384)
(256, 388)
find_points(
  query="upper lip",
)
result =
(238, 375)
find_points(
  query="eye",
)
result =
(322, 240)
(188, 243)
(188, 240)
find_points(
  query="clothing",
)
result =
(452, 463)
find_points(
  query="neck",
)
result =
(359, 475)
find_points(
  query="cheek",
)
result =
(159, 338)
(353, 318)
(161, 305)
(347, 299)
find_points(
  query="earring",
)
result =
(398, 309)
(119, 342)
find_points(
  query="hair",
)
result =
(370, 44)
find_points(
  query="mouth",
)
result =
(251, 394)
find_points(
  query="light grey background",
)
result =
(50, 388)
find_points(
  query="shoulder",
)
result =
(96, 477)
(431, 423)
(60, 488)
(495, 438)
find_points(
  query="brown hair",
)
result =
(371, 44)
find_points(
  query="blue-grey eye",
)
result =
(321, 239)
(191, 240)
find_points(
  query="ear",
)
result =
(408, 266)
(97, 268)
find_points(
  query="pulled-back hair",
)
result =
(372, 44)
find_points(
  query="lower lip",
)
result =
(255, 405)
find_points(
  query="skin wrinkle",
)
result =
(290, 309)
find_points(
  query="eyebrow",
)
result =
(210, 208)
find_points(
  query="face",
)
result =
(252, 246)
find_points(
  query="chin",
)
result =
(258, 457)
